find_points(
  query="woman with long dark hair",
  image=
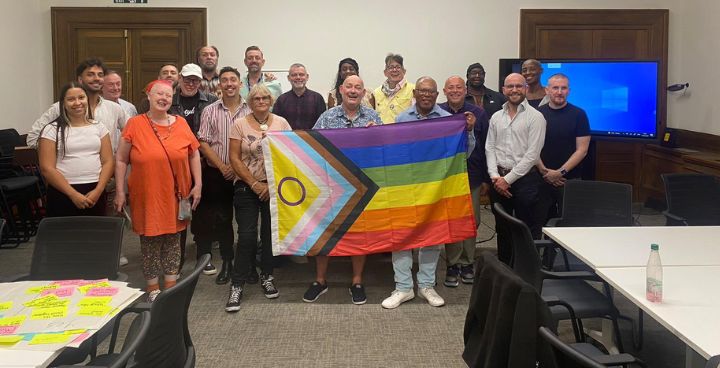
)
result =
(346, 67)
(76, 158)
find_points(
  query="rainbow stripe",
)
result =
(367, 190)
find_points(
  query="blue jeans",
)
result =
(402, 265)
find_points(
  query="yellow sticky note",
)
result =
(95, 311)
(40, 289)
(50, 298)
(84, 289)
(58, 338)
(94, 301)
(10, 339)
(5, 306)
(74, 332)
(49, 313)
(12, 321)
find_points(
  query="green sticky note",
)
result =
(49, 313)
(40, 339)
(10, 339)
(13, 321)
(94, 301)
(5, 306)
(95, 311)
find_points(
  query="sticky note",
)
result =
(12, 321)
(40, 289)
(42, 301)
(97, 301)
(49, 313)
(82, 337)
(84, 289)
(70, 282)
(10, 339)
(5, 306)
(74, 332)
(62, 292)
(8, 330)
(40, 339)
(95, 311)
(102, 291)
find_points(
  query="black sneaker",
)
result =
(266, 283)
(209, 269)
(452, 276)
(467, 274)
(253, 277)
(233, 303)
(314, 291)
(358, 294)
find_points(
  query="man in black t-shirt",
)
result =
(567, 138)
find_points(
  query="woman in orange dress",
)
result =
(164, 154)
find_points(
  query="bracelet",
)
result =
(252, 187)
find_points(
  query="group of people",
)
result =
(190, 153)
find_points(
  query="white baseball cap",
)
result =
(191, 70)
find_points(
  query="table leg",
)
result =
(605, 336)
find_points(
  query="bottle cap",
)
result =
(654, 247)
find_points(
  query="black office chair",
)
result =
(570, 288)
(692, 199)
(583, 355)
(80, 247)
(589, 204)
(19, 192)
(140, 328)
(169, 344)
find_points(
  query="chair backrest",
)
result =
(565, 356)
(525, 259)
(137, 333)
(596, 203)
(9, 139)
(81, 247)
(695, 197)
(502, 319)
(713, 362)
(166, 345)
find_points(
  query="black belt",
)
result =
(503, 171)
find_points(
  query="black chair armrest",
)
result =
(16, 277)
(552, 301)
(545, 243)
(618, 359)
(675, 219)
(566, 275)
(553, 222)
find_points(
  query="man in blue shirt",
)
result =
(350, 114)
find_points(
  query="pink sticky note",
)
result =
(82, 337)
(70, 282)
(102, 291)
(8, 330)
(61, 292)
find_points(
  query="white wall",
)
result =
(437, 38)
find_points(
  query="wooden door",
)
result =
(602, 34)
(133, 42)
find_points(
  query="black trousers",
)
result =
(525, 205)
(247, 208)
(58, 204)
(213, 217)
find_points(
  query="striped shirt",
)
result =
(215, 124)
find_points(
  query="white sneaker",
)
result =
(431, 296)
(396, 298)
(151, 296)
(123, 261)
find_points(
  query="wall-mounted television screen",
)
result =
(621, 98)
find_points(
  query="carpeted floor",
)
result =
(332, 332)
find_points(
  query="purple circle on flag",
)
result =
(282, 198)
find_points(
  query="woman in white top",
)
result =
(75, 157)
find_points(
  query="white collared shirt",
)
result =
(514, 143)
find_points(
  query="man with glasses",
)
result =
(190, 103)
(395, 95)
(478, 94)
(514, 141)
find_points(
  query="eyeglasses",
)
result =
(261, 98)
(393, 67)
(426, 92)
(191, 81)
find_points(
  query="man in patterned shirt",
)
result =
(350, 114)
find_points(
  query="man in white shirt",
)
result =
(112, 90)
(90, 73)
(515, 139)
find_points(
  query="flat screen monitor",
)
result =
(620, 97)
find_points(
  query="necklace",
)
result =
(263, 124)
(169, 127)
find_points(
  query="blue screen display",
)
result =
(620, 98)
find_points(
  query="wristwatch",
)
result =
(563, 172)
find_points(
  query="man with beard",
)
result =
(350, 114)
(461, 255)
(216, 207)
(254, 61)
(513, 146)
(207, 58)
(300, 106)
(478, 94)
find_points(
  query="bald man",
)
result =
(350, 114)
(514, 141)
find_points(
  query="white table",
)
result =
(630, 246)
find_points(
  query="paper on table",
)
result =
(49, 313)
(8, 330)
(39, 289)
(102, 291)
(12, 321)
(10, 339)
(5, 306)
(44, 339)
(94, 301)
(62, 292)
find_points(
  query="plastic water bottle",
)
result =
(654, 275)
